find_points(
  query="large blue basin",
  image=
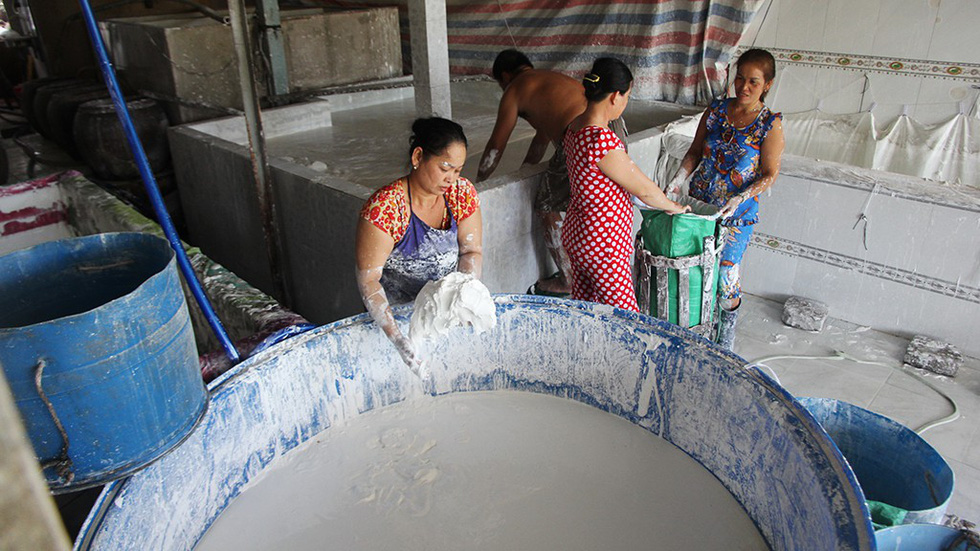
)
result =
(740, 425)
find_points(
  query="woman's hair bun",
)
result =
(434, 135)
(608, 75)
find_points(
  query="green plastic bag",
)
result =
(884, 515)
(674, 236)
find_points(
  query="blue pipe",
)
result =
(151, 186)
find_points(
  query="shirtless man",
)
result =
(548, 101)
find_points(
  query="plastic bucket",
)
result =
(893, 464)
(740, 425)
(95, 336)
(675, 236)
(921, 537)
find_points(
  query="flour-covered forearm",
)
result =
(376, 301)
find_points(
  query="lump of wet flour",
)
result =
(805, 313)
(933, 354)
(455, 300)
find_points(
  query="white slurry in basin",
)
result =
(485, 470)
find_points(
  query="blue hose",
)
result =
(151, 186)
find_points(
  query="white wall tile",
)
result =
(885, 305)
(956, 257)
(794, 90)
(829, 221)
(955, 37)
(847, 25)
(955, 321)
(839, 91)
(894, 307)
(801, 24)
(893, 89)
(939, 100)
(784, 207)
(894, 230)
(906, 29)
(768, 274)
(798, 88)
(903, 29)
(839, 288)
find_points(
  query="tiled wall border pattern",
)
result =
(873, 64)
(898, 275)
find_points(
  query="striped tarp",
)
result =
(678, 50)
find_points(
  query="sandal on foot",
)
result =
(534, 290)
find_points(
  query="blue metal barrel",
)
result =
(893, 464)
(923, 537)
(97, 345)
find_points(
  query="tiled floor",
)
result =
(884, 390)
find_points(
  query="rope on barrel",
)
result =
(968, 534)
(62, 463)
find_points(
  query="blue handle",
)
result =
(150, 183)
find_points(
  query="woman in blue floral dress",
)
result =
(734, 158)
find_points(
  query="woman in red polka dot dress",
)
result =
(599, 222)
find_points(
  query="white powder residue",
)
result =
(489, 161)
(485, 470)
(456, 300)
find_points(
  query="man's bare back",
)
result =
(547, 100)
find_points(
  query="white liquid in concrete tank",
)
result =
(485, 470)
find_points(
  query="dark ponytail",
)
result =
(608, 75)
(434, 135)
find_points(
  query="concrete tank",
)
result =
(760, 444)
(190, 60)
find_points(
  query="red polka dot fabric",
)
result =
(598, 224)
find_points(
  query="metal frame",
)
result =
(649, 266)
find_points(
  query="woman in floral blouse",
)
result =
(419, 228)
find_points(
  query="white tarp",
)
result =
(945, 152)
(847, 139)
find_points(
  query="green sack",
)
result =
(884, 515)
(674, 236)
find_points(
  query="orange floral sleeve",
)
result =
(386, 209)
(462, 199)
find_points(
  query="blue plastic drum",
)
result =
(893, 464)
(97, 345)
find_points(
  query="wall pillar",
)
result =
(430, 57)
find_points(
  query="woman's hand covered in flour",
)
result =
(730, 206)
(407, 351)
